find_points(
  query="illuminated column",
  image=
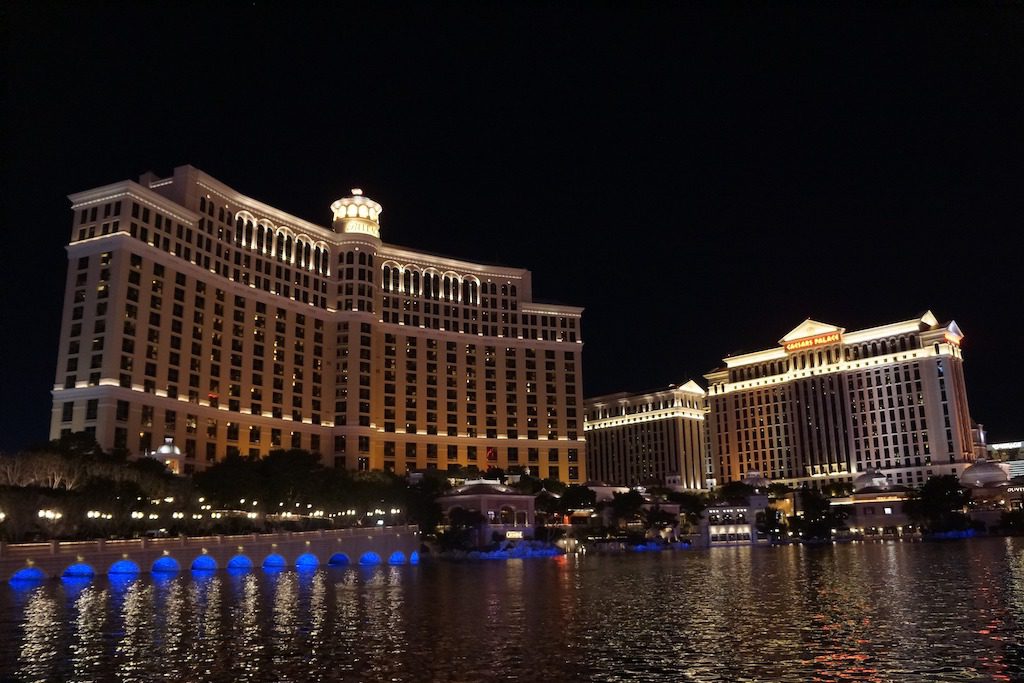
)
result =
(357, 215)
(357, 224)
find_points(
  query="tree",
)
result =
(656, 518)
(691, 506)
(528, 484)
(229, 480)
(577, 498)
(554, 485)
(735, 492)
(463, 526)
(626, 506)
(771, 522)
(74, 445)
(289, 477)
(838, 489)
(495, 473)
(420, 503)
(938, 506)
(818, 518)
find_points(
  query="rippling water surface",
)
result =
(863, 612)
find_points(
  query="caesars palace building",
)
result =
(826, 404)
(197, 314)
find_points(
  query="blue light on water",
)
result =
(239, 563)
(204, 563)
(397, 557)
(79, 571)
(124, 567)
(307, 561)
(120, 582)
(414, 557)
(275, 562)
(338, 560)
(369, 559)
(165, 565)
(28, 575)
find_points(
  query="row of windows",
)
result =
(281, 244)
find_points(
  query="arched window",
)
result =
(512, 290)
(288, 242)
(387, 278)
(504, 289)
(259, 237)
(362, 258)
(306, 261)
(248, 234)
(350, 258)
(239, 229)
(407, 281)
(507, 516)
(416, 283)
(280, 246)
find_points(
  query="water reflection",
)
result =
(88, 642)
(42, 631)
(860, 612)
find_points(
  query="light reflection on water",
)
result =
(876, 612)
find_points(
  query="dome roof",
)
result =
(874, 479)
(983, 473)
(756, 479)
(168, 450)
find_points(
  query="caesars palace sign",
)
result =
(810, 342)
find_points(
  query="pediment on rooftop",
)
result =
(809, 328)
(693, 388)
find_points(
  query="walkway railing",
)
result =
(19, 550)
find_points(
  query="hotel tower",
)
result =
(197, 314)
(655, 437)
(826, 404)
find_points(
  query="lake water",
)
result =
(949, 611)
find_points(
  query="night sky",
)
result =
(700, 178)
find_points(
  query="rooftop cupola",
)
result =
(357, 214)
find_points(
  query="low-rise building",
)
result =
(875, 509)
(1010, 453)
(993, 492)
(735, 523)
(507, 513)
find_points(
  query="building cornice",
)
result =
(945, 349)
(255, 206)
(641, 418)
(129, 188)
(405, 256)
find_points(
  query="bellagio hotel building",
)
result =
(197, 314)
(825, 404)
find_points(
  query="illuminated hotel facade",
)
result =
(826, 404)
(195, 313)
(649, 438)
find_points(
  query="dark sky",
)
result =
(700, 177)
